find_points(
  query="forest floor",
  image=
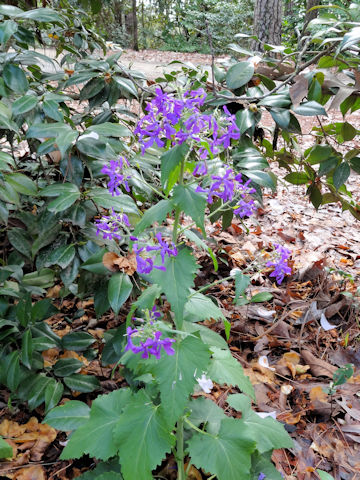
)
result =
(307, 331)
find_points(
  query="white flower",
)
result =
(325, 324)
(264, 362)
(205, 383)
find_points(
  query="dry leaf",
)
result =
(319, 368)
(318, 394)
(50, 356)
(30, 473)
(115, 263)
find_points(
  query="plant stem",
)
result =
(180, 449)
(178, 209)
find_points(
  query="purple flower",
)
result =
(117, 178)
(154, 314)
(281, 268)
(245, 209)
(151, 345)
(261, 476)
(222, 187)
(200, 169)
(146, 264)
(195, 98)
(110, 226)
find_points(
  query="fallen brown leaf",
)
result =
(115, 263)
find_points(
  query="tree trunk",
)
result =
(135, 26)
(267, 23)
(310, 15)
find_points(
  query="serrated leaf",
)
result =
(156, 213)
(176, 281)
(225, 369)
(119, 290)
(192, 203)
(205, 411)
(95, 437)
(70, 416)
(268, 433)
(227, 454)
(176, 374)
(199, 308)
(143, 437)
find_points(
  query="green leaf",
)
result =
(26, 349)
(57, 189)
(280, 100)
(348, 131)
(67, 366)
(143, 437)
(261, 297)
(205, 411)
(194, 236)
(9, 194)
(225, 369)
(77, 341)
(6, 450)
(244, 120)
(92, 88)
(170, 165)
(13, 371)
(319, 153)
(119, 290)
(104, 471)
(227, 454)
(9, 10)
(70, 416)
(324, 476)
(241, 283)
(24, 104)
(192, 203)
(341, 174)
(101, 302)
(82, 383)
(208, 336)
(20, 240)
(36, 395)
(21, 183)
(47, 130)
(53, 394)
(108, 129)
(7, 29)
(121, 203)
(40, 278)
(297, 178)
(52, 110)
(239, 74)
(95, 264)
(95, 437)
(41, 15)
(126, 85)
(176, 374)
(261, 463)
(309, 109)
(264, 179)
(42, 332)
(62, 256)
(63, 202)
(355, 164)
(156, 213)
(268, 433)
(176, 281)
(199, 308)
(15, 78)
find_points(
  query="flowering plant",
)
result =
(166, 359)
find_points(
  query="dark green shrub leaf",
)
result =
(21, 183)
(26, 349)
(15, 78)
(309, 109)
(239, 75)
(108, 129)
(66, 366)
(24, 104)
(53, 394)
(82, 383)
(20, 240)
(341, 174)
(6, 450)
(77, 341)
(119, 290)
(297, 178)
(62, 256)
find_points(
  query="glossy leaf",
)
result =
(239, 74)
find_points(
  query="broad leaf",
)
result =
(15, 78)
(143, 437)
(192, 203)
(176, 374)
(170, 165)
(6, 450)
(227, 454)
(268, 433)
(95, 437)
(156, 213)
(119, 290)
(82, 383)
(239, 74)
(199, 308)
(205, 411)
(70, 416)
(224, 368)
(176, 281)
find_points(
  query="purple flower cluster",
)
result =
(227, 187)
(261, 476)
(115, 170)
(179, 120)
(148, 343)
(110, 226)
(145, 264)
(281, 267)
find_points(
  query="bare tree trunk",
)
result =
(267, 23)
(310, 15)
(135, 26)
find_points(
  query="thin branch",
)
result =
(212, 55)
